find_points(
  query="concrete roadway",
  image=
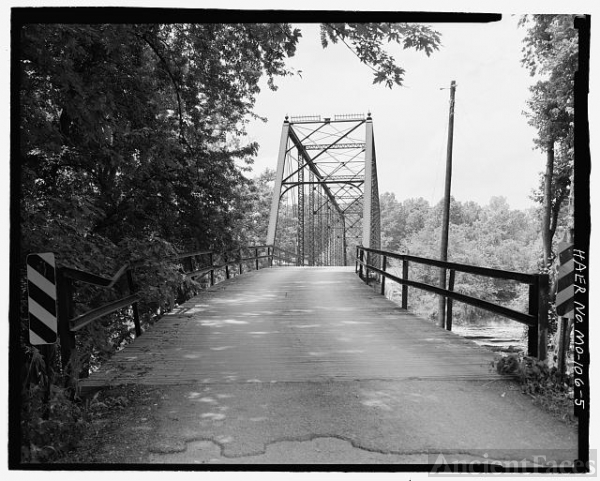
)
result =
(311, 366)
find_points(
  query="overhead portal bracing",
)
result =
(326, 199)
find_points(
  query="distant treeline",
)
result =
(493, 236)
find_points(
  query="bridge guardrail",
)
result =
(194, 265)
(285, 257)
(536, 318)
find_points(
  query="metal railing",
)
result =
(194, 265)
(374, 260)
(285, 258)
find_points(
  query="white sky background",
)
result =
(493, 144)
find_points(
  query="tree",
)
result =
(417, 211)
(393, 223)
(490, 236)
(551, 52)
(365, 40)
(255, 209)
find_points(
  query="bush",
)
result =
(544, 384)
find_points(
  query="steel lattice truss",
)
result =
(326, 199)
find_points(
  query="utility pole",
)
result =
(446, 211)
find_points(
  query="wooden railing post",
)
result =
(383, 268)
(532, 331)
(256, 255)
(241, 267)
(449, 300)
(226, 261)
(136, 314)
(65, 313)
(404, 286)
(360, 268)
(542, 316)
(212, 270)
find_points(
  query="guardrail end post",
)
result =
(64, 287)
(543, 316)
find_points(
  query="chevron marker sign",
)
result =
(565, 291)
(41, 290)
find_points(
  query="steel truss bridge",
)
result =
(326, 199)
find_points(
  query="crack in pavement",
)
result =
(182, 446)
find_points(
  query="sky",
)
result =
(493, 152)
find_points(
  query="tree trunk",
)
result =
(547, 203)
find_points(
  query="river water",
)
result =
(498, 335)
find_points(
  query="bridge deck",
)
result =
(293, 324)
(309, 366)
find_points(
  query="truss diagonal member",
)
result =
(345, 164)
(313, 167)
(337, 141)
(307, 136)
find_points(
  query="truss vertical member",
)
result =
(301, 211)
(327, 168)
(311, 218)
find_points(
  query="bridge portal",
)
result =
(326, 198)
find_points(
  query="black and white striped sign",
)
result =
(565, 290)
(41, 289)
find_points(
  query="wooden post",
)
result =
(241, 267)
(226, 265)
(562, 344)
(543, 316)
(383, 268)
(48, 352)
(212, 270)
(532, 331)
(64, 287)
(360, 268)
(136, 314)
(449, 301)
(256, 255)
(404, 286)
